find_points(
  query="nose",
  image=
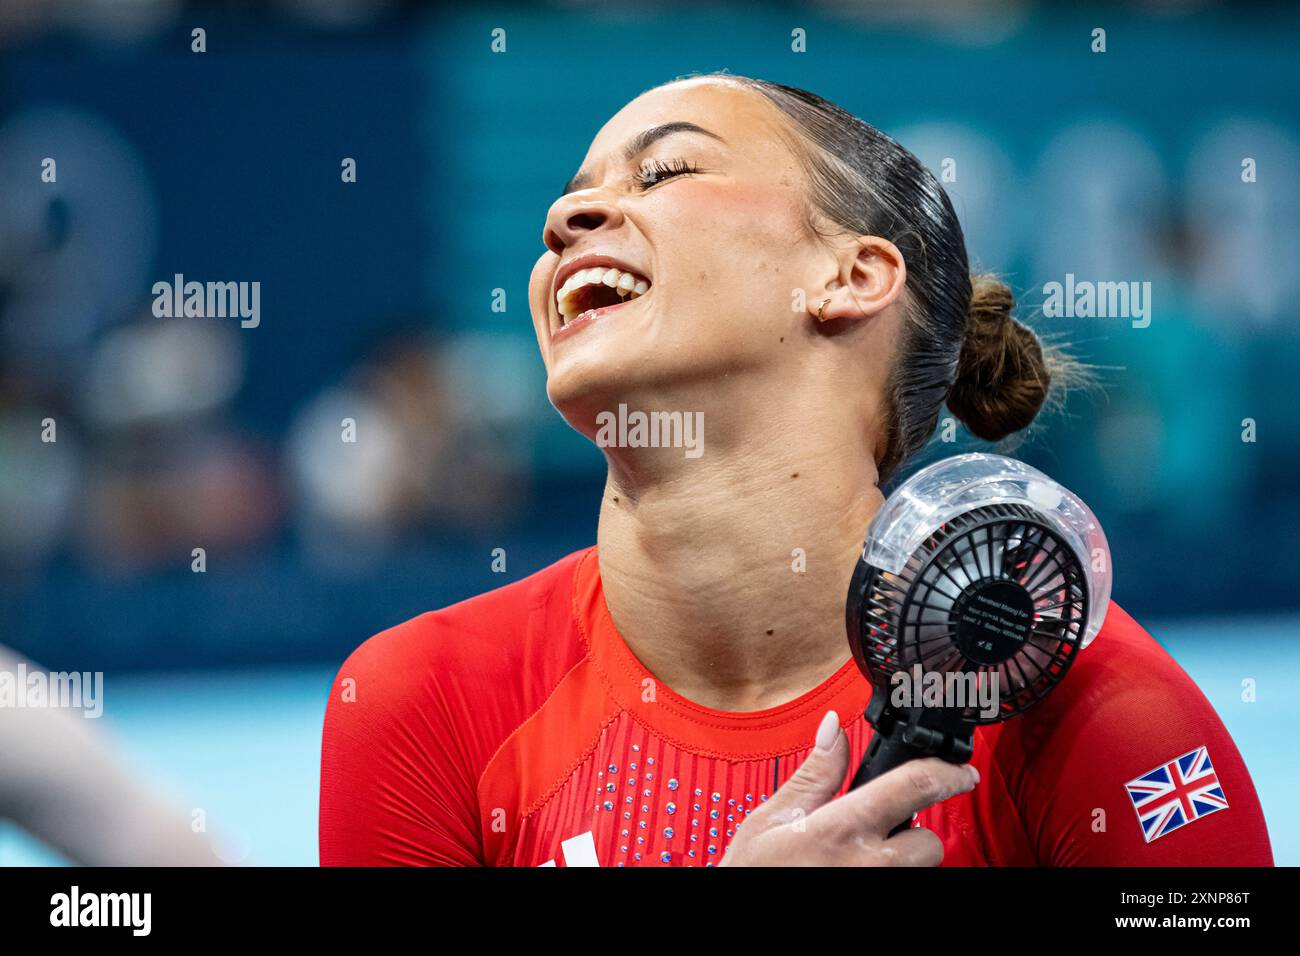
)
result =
(576, 215)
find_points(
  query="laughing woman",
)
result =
(682, 693)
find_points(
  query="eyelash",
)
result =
(656, 172)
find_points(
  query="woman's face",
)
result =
(711, 217)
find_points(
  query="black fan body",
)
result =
(994, 591)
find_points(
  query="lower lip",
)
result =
(590, 317)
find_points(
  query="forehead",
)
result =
(743, 118)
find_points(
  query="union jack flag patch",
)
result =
(1176, 794)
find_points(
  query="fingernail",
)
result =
(973, 772)
(829, 731)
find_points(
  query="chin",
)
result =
(581, 387)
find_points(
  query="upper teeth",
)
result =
(629, 285)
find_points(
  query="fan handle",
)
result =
(900, 737)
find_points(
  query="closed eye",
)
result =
(657, 171)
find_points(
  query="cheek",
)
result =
(539, 281)
(721, 210)
(736, 247)
(539, 293)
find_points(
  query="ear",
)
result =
(872, 276)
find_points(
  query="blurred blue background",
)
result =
(377, 303)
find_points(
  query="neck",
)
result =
(727, 574)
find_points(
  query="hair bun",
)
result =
(1003, 375)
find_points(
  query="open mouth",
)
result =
(597, 290)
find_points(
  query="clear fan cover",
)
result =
(938, 493)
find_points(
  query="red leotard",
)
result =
(518, 729)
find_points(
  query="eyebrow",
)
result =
(640, 143)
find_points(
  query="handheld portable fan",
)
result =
(978, 568)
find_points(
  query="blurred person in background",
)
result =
(401, 444)
(167, 469)
(62, 782)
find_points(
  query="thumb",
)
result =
(818, 777)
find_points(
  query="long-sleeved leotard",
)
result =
(518, 729)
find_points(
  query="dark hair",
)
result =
(961, 342)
